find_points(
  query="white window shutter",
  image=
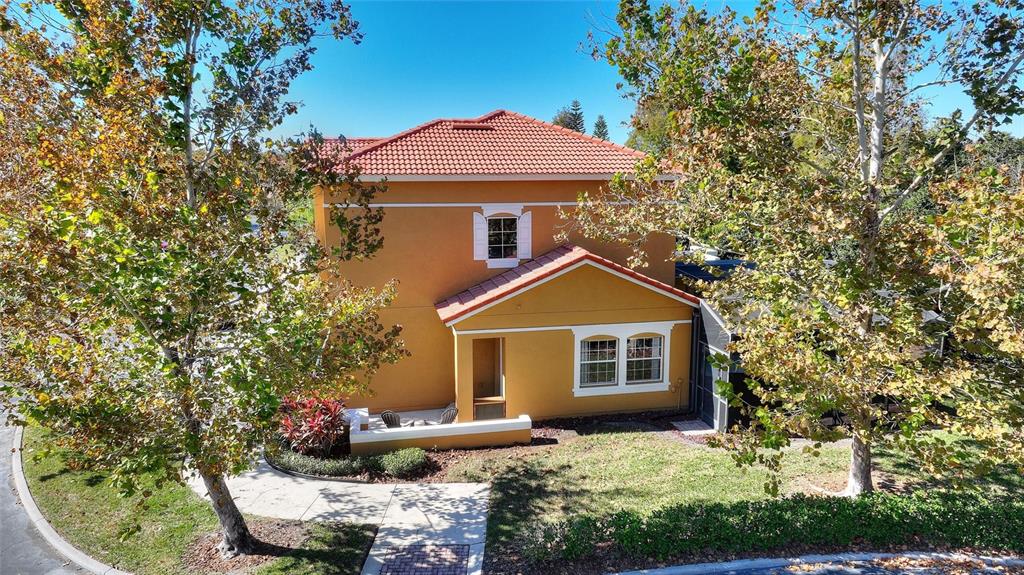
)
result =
(479, 236)
(524, 235)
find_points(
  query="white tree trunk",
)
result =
(237, 539)
(859, 480)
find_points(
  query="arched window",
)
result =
(598, 361)
(622, 357)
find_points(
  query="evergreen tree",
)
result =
(601, 128)
(571, 117)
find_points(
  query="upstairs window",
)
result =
(502, 234)
(502, 237)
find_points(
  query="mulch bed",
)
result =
(276, 538)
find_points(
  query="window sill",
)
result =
(620, 389)
(502, 263)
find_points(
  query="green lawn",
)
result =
(89, 513)
(613, 470)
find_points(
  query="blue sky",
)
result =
(423, 60)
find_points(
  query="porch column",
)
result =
(464, 377)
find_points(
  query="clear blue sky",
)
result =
(424, 60)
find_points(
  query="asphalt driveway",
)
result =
(22, 550)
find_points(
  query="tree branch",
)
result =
(858, 97)
(934, 161)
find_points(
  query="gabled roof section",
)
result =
(501, 143)
(534, 272)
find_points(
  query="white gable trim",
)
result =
(560, 273)
(499, 177)
(545, 328)
(459, 205)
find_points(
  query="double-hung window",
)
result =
(598, 362)
(502, 237)
(643, 359)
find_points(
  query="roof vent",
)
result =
(471, 126)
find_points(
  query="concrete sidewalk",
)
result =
(429, 528)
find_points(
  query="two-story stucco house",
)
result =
(502, 319)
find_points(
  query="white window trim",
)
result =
(615, 374)
(622, 332)
(660, 358)
(497, 263)
(514, 210)
(502, 262)
(524, 234)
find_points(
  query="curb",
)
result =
(742, 565)
(42, 525)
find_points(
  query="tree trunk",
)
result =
(859, 480)
(237, 539)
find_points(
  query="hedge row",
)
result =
(401, 464)
(940, 519)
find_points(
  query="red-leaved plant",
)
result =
(313, 426)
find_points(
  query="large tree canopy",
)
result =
(158, 297)
(886, 281)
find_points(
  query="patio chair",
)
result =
(390, 418)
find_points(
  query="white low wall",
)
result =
(470, 434)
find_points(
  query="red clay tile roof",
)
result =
(351, 144)
(499, 143)
(360, 143)
(533, 271)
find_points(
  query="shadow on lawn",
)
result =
(91, 480)
(332, 549)
(521, 494)
(1000, 480)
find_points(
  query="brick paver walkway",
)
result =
(426, 560)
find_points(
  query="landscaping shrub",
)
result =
(945, 519)
(350, 466)
(404, 463)
(313, 426)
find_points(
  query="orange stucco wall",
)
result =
(429, 251)
(539, 364)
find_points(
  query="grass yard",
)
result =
(613, 470)
(616, 469)
(83, 507)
